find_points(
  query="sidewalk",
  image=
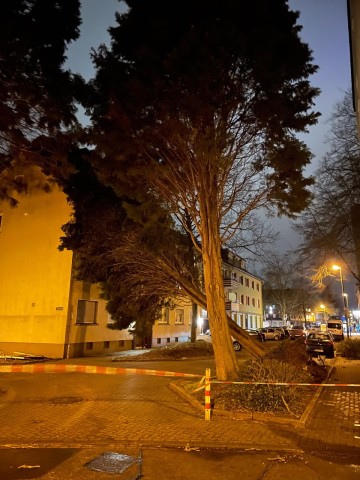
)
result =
(143, 410)
(87, 415)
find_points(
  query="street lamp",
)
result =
(344, 296)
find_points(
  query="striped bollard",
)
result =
(207, 395)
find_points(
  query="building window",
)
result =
(258, 303)
(253, 284)
(165, 316)
(247, 300)
(247, 282)
(89, 345)
(232, 296)
(176, 339)
(106, 344)
(86, 311)
(179, 316)
(242, 299)
(242, 280)
(168, 340)
(253, 302)
(158, 341)
(257, 287)
(121, 343)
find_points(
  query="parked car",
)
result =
(256, 333)
(297, 332)
(336, 327)
(281, 331)
(271, 333)
(320, 343)
(236, 344)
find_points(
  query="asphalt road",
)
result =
(88, 427)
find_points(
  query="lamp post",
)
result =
(344, 296)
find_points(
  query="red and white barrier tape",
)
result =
(68, 368)
(292, 384)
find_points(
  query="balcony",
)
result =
(232, 306)
(231, 282)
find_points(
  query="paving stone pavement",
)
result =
(79, 410)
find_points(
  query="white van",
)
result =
(335, 326)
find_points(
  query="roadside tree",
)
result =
(199, 103)
(330, 225)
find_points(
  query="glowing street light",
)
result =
(344, 296)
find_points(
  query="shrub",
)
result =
(349, 348)
(288, 363)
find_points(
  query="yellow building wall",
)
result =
(93, 339)
(38, 300)
(34, 274)
(166, 331)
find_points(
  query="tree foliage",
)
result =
(330, 225)
(199, 103)
(36, 93)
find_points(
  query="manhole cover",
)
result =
(112, 462)
(65, 400)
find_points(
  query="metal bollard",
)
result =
(207, 395)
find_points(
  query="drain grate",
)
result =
(111, 462)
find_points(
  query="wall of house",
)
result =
(174, 325)
(90, 336)
(38, 301)
(35, 275)
(243, 293)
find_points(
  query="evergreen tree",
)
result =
(199, 103)
(36, 93)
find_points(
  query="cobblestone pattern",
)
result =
(80, 409)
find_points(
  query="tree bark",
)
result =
(225, 359)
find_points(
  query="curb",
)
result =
(257, 416)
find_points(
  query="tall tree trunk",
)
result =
(225, 359)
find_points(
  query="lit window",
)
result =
(165, 316)
(179, 316)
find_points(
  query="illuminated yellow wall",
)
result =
(34, 275)
(38, 301)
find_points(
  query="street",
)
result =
(71, 426)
